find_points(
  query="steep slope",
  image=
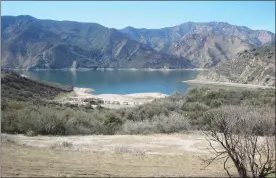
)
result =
(28, 42)
(204, 44)
(256, 66)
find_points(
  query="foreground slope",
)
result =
(204, 44)
(29, 43)
(256, 66)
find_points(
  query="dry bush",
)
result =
(247, 138)
(173, 123)
(139, 127)
(158, 124)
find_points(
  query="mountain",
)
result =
(31, 43)
(204, 44)
(256, 66)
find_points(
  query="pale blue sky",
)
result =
(255, 15)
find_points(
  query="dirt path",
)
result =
(119, 155)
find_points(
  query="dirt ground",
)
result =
(98, 155)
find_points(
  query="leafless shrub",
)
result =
(247, 137)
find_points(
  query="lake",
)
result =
(119, 81)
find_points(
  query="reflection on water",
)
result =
(119, 82)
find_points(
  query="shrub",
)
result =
(175, 122)
(139, 127)
(215, 103)
(195, 106)
(99, 107)
(237, 131)
(260, 121)
(112, 123)
(30, 133)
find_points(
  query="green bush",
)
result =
(112, 123)
(215, 103)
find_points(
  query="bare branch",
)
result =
(235, 129)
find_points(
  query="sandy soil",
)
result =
(117, 100)
(226, 84)
(98, 155)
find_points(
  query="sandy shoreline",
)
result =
(162, 69)
(114, 101)
(121, 69)
(226, 84)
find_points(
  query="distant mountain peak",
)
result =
(26, 17)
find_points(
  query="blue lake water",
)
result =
(118, 81)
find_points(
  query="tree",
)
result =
(246, 136)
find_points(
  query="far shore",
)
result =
(226, 84)
(111, 69)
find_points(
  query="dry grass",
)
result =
(112, 156)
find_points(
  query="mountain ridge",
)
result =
(67, 44)
(184, 40)
(30, 43)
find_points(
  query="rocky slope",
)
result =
(204, 44)
(256, 66)
(29, 43)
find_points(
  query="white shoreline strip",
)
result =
(118, 100)
(111, 69)
(227, 84)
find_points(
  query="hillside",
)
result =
(256, 66)
(204, 44)
(31, 43)
(16, 87)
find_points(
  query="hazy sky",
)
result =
(255, 15)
